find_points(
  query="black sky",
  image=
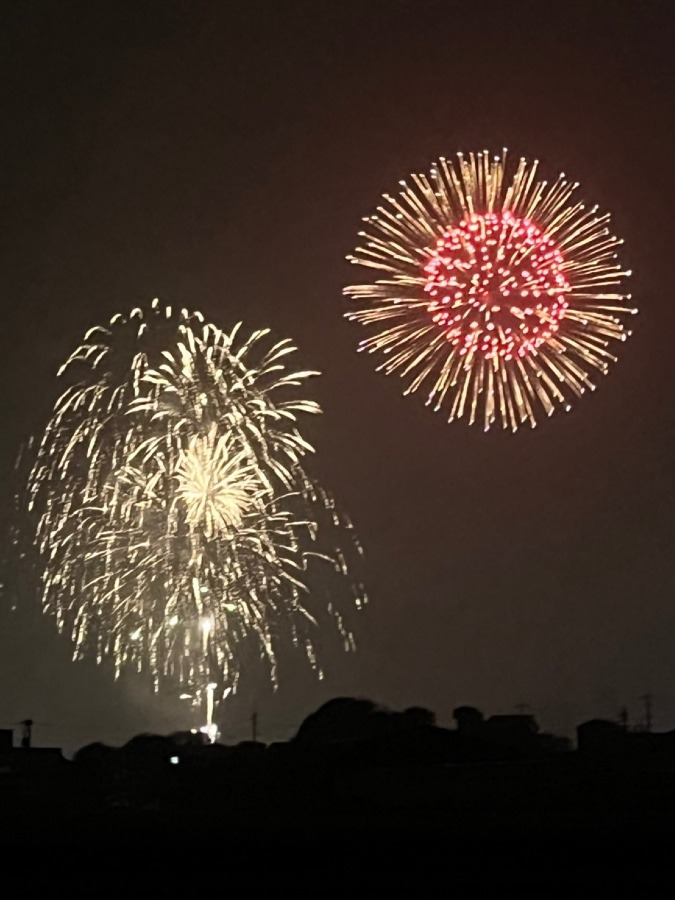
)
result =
(220, 156)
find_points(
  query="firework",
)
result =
(496, 293)
(175, 523)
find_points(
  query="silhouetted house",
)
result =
(609, 742)
(27, 759)
(503, 737)
(36, 759)
(6, 740)
(599, 737)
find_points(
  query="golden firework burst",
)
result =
(175, 523)
(216, 485)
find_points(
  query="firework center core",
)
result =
(497, 285)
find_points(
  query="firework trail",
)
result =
(497, 294)
(174, 521)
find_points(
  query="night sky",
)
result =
(220, 156)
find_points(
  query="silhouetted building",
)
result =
(599, 736)
(514, 735)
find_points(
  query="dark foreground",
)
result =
(540, 825)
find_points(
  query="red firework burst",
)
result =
(498, 295)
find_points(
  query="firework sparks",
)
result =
(216, 486)
(174, 520)
(500, 294)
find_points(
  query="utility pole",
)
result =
(26, 733)
(254, 726)
(623, 718)
(648, 711)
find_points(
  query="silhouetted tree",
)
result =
(94, 756)
(469, 719)
(347, 719)
(418, 717)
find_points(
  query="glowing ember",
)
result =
(497, 286)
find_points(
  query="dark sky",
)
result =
(220, 156)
